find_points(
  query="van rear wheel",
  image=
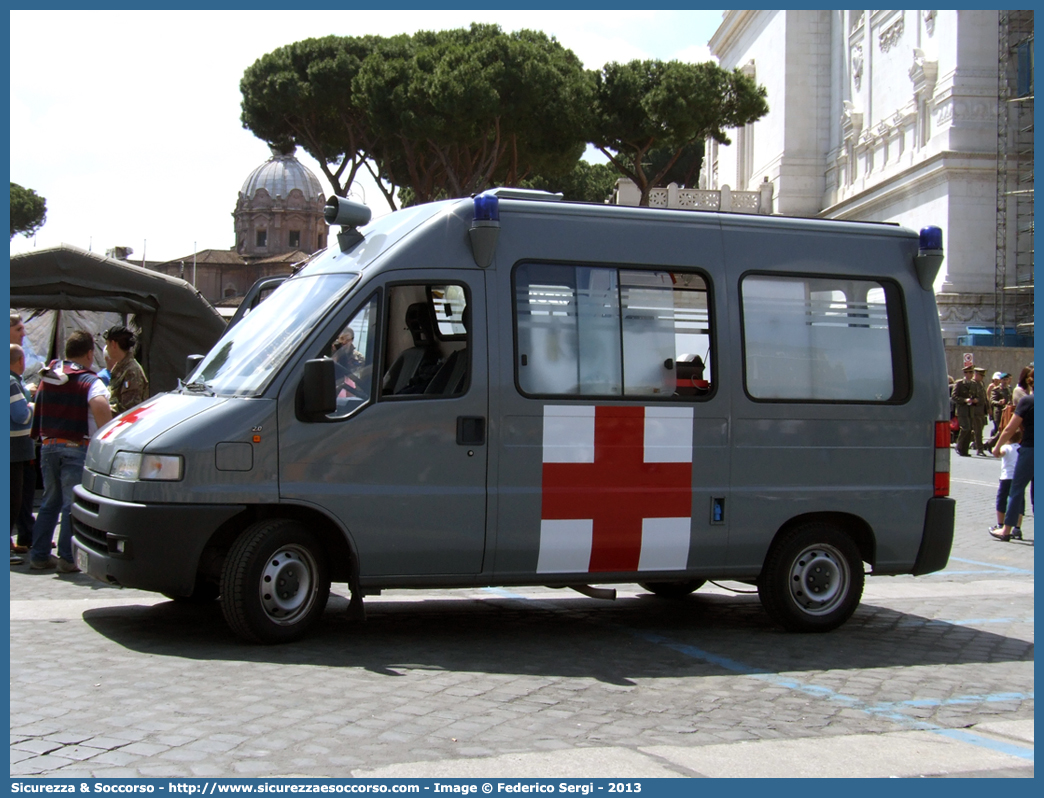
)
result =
(275, 582)
(673, 590)
(812, 579)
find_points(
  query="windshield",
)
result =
(249, 354)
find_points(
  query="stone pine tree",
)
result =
(443, 113)
(301, 94)
(28, 211)
(667, 108)
(461, 110)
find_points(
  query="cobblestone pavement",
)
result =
(122, 683)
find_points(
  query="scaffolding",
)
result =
(1013, 295)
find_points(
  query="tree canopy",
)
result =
(301, 94)
(442, 113)
(450, 113)
(588, 182)
(644, 106)
(28, 211)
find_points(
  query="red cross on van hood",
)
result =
(133, 430)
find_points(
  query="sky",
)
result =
(127, 122)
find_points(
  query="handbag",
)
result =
(1006, 414)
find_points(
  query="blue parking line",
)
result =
(964, 699)
(985, 742)
(888, 710)
(1006, 568)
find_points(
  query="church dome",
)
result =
(280, 175)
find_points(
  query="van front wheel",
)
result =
(275, 582)
(812, 579)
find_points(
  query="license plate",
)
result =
(81, 560)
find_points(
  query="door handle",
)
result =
(471, 430)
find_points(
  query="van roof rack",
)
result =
(508, 192)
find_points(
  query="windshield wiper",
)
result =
(198, 387)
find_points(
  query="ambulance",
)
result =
(512, 389)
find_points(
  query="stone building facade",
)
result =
(876, 116)
(280, 209)
(278, 221)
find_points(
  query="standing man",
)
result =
(1023, 419)
(969, 396)
(71, 404)
(33, 364)
(1000, 397)
(23, 452)
(33, 361)
(127, 383)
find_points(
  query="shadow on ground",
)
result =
(634, 637)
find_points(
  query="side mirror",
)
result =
(318, 394)
(191, 362)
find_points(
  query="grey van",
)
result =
(512, 389)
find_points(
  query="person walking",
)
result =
(1024, 386)
(1000, 397)
(128, 385)
(970, 399)
(1023, 476)
(23, 452)
(1009, 454)
(71, 404)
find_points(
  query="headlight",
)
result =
(163, 467)
(125, 465)
(133, 465)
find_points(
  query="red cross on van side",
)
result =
(621, 489)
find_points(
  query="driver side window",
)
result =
(352, 351)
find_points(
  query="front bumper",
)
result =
(146, 546)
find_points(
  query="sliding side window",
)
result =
(823, 338)
(597, 331)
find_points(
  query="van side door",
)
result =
(614, 457)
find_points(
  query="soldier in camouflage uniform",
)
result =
(128, 385)
(969, 397)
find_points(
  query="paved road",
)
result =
(932, 676)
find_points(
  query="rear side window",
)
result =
(602, 331)
(823, 339)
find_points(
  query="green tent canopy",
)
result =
(174, 319)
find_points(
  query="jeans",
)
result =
(1017, 493)
(62, 467)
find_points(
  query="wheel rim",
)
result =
(819, 579)
(287, 587)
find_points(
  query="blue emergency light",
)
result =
(931, 238)
(485, 229)
(487, 208)
(930, 257)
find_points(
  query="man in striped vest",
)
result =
(71, 404)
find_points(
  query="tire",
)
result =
(812, 579)
(275, 553)
(673, 590)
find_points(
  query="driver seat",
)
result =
(412, 370)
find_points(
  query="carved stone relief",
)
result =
(891, 35)
(857, 66)
(929, 21)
